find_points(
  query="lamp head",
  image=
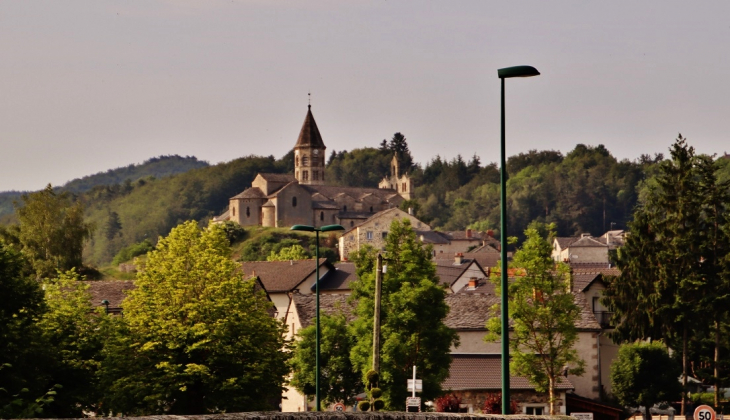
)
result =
(517, 71)
(304, 228)
(330, 228)
(105, 302)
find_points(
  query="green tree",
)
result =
(196, 336)
(543, 311)
(294, 252)
(677, 231)
(643, 375)
(413, 310)
(52, 231)
(339, 380)
(72, 337)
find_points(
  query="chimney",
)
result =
(410, 211)
(490, 232)
(472, 284)
(457, 258)
(468, 234)
(585, 235)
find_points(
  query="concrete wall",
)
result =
(587, 385)
(472, 341)
(585, 254)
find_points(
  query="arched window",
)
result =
(321, 216)
(315, 161)
(248, 211)
(352, 223)
(344, 209)
(371, 209)
(233, 211)
(293, 201)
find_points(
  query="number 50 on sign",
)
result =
(704, 412)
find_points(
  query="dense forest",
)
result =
(585, 191)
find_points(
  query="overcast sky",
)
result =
(91, 85)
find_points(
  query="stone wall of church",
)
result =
(293, 206)
(246, 211)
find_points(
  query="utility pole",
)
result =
(376, 316)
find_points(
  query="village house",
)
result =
(374, 231)
(459, 272)
(583, 249)
(281, 200)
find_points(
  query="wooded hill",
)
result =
(586, 191)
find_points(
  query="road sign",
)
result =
(582, 416)
(413, 404)
(419, 385)
(339, 407)
(704, 412)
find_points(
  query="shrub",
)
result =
(364, 405)
(378, 405)
(448, 404)
(234, 231)
(493, 404)
(134, 250)
(376, 392)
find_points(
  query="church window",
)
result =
(371, 209)
(305, 160)
(248, 211)
(352, 223)
(296, 161)
(344, 209)
(233, 211)
(314, 161)
(404, 187)
(315, 175)
(305, 175)
(293, 201)
(321, 216)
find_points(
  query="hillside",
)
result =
(156, 167)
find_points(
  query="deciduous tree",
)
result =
(544, 313)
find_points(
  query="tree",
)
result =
(543, 311)
(52, 231)
(644, 375)
(21, 379)
(196, 337)
(680, 231)
(413, 310)
(339, 380)
(294, 252)
(399, 146)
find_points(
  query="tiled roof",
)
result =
(282, 276)
(484, 286)
(357, 193)
(354, 215)
(487, 260)
(606, 271)
(339, 278)
(325, 205)
(269, 203)
(329, 304)
(278, 177)
(432, 237)
(469, 310)
(484, 249)
(564, 242)
(223, 217)
(309, 135)
(112, 290)
(379, 214)
(448, 271)
(581, 280)
(253, 192)
(483, 372)
(461, 235)
(587, 242)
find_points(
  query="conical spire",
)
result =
(309, 136)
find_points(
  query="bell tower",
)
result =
(309, 153)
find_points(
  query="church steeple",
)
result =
(309, 153)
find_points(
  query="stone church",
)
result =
(281, 200)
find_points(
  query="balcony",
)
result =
(604, 318)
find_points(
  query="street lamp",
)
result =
(506, 73)
(328, 228)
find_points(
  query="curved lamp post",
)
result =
(506, 73)
(328, 228)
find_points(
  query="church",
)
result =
(281, 200)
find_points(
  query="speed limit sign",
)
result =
(704, 412)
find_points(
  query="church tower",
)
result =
(309, 153)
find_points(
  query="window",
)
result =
(305, 175)
(315, 175)
(293, 201)
(352, 223)
(321, 216)
(369, 235)
(296, 161)
(371, 209)
(315, 162)
(534, 411)
(305, 160)
(248, 211)
(385, 235)
(233, 211)
(344, 209)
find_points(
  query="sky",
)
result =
(88, 86)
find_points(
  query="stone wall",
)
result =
(383, 415)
